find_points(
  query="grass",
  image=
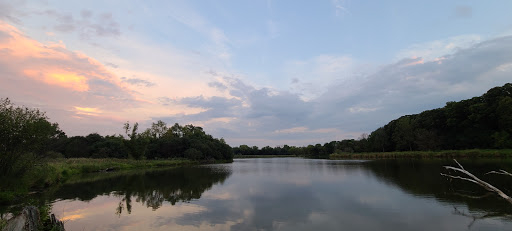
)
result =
(3, 223)
(64, 168)
(55, 171)
(261, 156)
(471, 153)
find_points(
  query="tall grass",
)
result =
(54, 171)
(472, 153)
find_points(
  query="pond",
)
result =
(287, 194)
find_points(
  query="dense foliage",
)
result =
(25, 137)
(28, 140)
(483, 122)
(479, 122)
(156, 142)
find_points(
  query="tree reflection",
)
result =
(146, 187)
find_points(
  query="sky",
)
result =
(252, 72)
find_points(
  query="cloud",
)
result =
(213, 108)
(310, 78)
(138, 82)
(355, 104)
(339, 6)
(69, 85)
(250, 113)
(218, 85)
(112, 65)
(9, 12)
(410, 86)
(219, 44)
(86, 13)
(88, 26)
(438, 48)
(87, 111)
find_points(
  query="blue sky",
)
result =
(254, 72)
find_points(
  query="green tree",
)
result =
(426, 140)
(138, 143)
(193, 154)
(157, 129)
(25, 135)
(504, 114)
(403, 135)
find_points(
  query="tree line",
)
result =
(27, 137)
(157, 142)
(480, 122)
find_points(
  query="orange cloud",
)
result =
(51, 63)
(87, 111)
(60, 78)
(68, 85)
(19, 46)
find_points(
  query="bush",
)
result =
(24, 137)
(193, 154)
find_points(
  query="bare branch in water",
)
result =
(501, 172)
(472, 178)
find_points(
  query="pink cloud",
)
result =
(72, 87)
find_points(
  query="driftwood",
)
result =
(28, 220)
(472, 178)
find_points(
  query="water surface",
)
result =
(286, 194)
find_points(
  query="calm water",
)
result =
(284, 194)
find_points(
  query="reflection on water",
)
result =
(284, 194)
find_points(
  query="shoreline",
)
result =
(443, 154)
(58, 171)
(261, 156)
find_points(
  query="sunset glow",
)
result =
(62, 79)
(265, 78)
(87, 111)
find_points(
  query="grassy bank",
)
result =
(261, 156)
(55, 171)
(68, 167)
(471, 153)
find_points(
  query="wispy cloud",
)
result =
(439, 48)
(138, 82)
(354, 106)
(339, 6)
(9, 11)
(88, 25)
(310, 78)
(219, 42)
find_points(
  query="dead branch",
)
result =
(472, 178)
(501, 172)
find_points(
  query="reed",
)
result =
(471, 153)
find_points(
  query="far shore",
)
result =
(447, 154)
(261, 156)
(470, 153)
